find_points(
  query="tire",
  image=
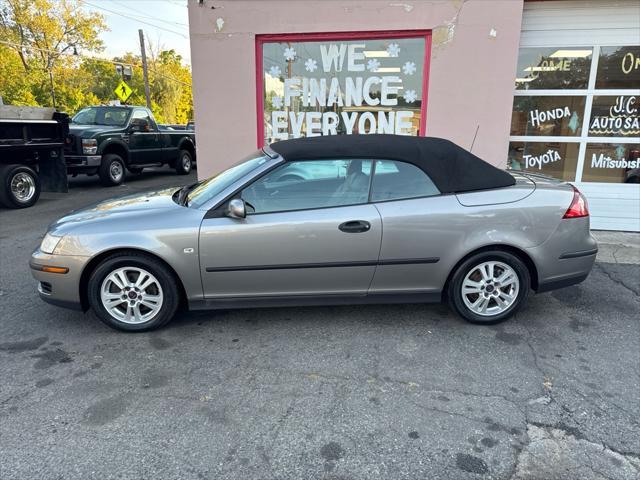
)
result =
(111, 171)
(161, 294)
(499, 306)
(184, 163)
(19, 186)
(135, 170)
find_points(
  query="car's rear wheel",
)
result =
(489, 287)
(111, 170)
(133, 292)
(184, 163)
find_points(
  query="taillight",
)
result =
(578, 207)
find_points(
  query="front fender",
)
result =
(175, 242)
(114, 144)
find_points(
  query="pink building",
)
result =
(522, 84)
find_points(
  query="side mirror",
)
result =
(236, 208)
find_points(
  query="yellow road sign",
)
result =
(123, 91)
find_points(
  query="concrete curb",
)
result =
(617, 247)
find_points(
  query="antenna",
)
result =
(474, 137)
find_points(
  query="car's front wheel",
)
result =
(489, 287)
(133, 292)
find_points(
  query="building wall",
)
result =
(471, 75)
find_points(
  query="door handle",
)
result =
(355, 226)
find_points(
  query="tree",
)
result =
(43, 31)
(49, 45)
(171, 86)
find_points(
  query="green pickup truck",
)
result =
(106, 140)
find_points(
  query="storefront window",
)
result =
(550, 116)
(612, 163)
(606, 149)
(553, 68)
(619, 67)
(332, 85)
(555, 159)
(615, 116)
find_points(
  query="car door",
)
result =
(144, 144)
(421, 230)
(309, 234)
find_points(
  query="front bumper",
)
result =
(79, 162)
(61, 289)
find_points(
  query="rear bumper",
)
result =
(561, 282)
(566, 257)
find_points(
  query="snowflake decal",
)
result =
(393, 49)
(289, 54)
(276, 102)
(410, 96)
(310, 65)
(373, 65)
(409, 68)
(275, 71)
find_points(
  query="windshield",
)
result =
(207, 189)
(111, 116)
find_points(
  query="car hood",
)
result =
(87, 131)
(128, 206)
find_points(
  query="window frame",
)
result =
(373, 173)
(261, 39)
(591, 91)
(237, 193)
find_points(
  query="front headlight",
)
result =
(49, 243)
(89, 146)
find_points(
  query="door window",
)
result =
(400, 180)
(306, 185)
(141, 117)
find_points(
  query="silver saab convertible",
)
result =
(326, 220)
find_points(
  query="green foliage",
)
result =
(44, 34)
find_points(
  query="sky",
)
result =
(165, 23)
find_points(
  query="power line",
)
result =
(138, 19)
(156, 19)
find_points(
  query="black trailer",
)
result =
(31, 154)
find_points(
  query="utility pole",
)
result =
(144, 69)
(53, 92)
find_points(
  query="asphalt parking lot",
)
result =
(366, 392)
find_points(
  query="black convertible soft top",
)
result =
(450, 167)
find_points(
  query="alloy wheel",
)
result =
(131, 295)
(490, 288)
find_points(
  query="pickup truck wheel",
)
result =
(111, 170)
(20, 186)
(184, 162)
